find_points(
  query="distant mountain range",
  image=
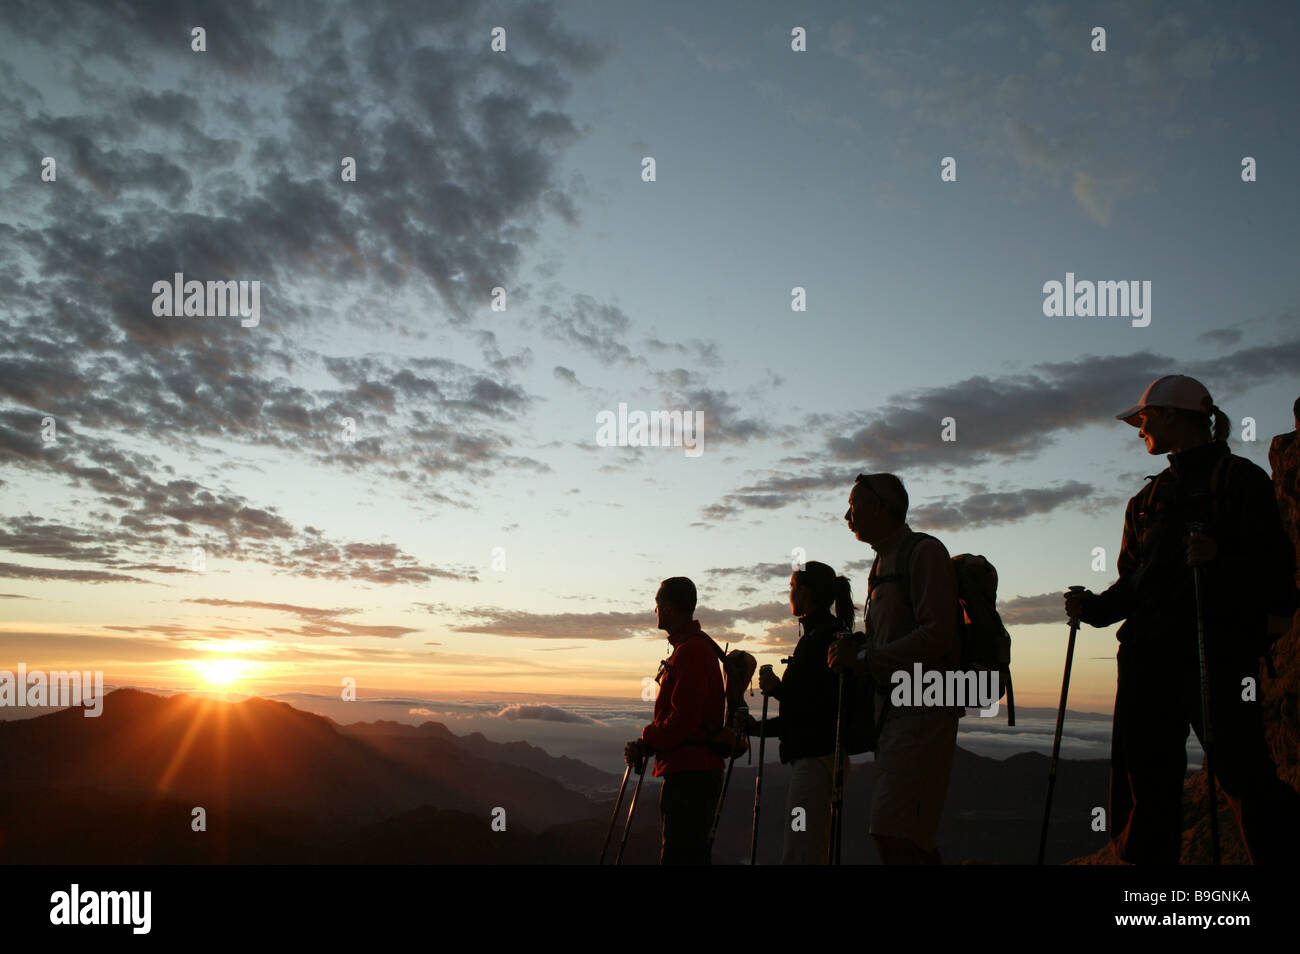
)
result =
(280, 785)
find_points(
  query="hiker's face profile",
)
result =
(864, 514)
(798, 597)
(1153, 429)
(666, 613)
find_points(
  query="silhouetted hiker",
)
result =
(1288, 492)
(910, 618)
(690, 707)
(1248, 566)
(809, 694)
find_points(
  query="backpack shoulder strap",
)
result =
(902, 567)
(722, 656)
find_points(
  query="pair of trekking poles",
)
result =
(1207, 730)
(627, 827)
(717, 812)
(837, 794)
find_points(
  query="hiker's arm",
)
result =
(686, 710)
(1115, 603)
(933, 643)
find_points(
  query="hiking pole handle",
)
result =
(1076, 589)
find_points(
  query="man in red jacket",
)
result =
(690, 706)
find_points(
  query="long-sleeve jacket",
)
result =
(916, 626)
(809, 693)
(691, 704)
(1250, 577)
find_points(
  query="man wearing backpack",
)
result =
(910, 618)
(690, 707)
(1247, 572)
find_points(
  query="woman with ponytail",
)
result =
(823, 602)
(1216, 511)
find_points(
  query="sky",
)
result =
(503, 270)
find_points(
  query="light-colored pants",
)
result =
(810, 790)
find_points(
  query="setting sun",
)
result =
(222, 672)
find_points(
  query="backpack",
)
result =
(984, 640)
(737, 671)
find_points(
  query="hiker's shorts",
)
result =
(913, 761)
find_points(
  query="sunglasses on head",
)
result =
(862, 482)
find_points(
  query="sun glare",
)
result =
(222, 672)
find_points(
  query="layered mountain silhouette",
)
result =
(262, 754)
(279, 785)
(571, 773)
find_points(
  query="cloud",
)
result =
(594, 327)
(544, 713)
(1029, 610)
(320, 622)
(496, 621)
(602, 626)
(15, 571)
(985, 508)
(1221, 337)
(723, 420)
(161, 171)
(1097, 195)
(995, 82)
(1013, 416)
(1032, 149)
(169, 520)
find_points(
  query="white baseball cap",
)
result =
(1173, 390)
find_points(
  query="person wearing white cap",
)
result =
(1248, 568)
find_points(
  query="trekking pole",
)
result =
(1060, 725)
(736, 719)
(613, 818)
(758, 781)
(1207, 732)
(837, 788)
(640, 777)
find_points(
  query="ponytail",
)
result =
(844, 602)
(1222, 426)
